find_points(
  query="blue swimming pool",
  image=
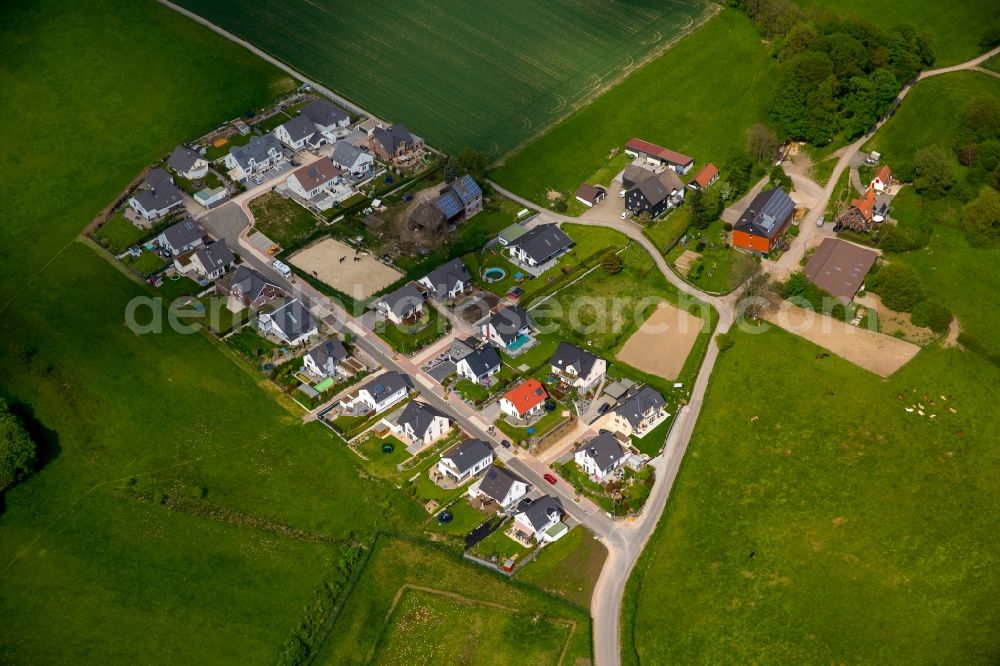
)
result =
(519, 342)
(494, 274)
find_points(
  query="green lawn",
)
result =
(398, 60)
(956, 32)
(697, 98)
(411, 338)
(146, 263)
(118, 234)
(470, 390)
(719, 268)
(281, 219)
(364, 631)
(212, 313)
(381, 463)
(569, 567)
(821, 522)
(548, 421)
(500, 546)
(464, 519)
(929, 115)
(90, 574)
(665, 231)
(181, 286)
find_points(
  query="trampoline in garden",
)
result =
(324, 385)
(267, 367)
(445, 517)
(388, 448)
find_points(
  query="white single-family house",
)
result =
(188, 164)
(291, 323)
(578, 368)
(481, 363)
(421, 424)
(524, 400)
(507, 327)
(466, 459)
(350, 159)
(324, 359)
(540, 244)
(601, 456)
(181, 237)
(262, 153)
(542, 520)
(406, 304)
(299, 133)
(157, 196)
(500, 485)
(382, 392)
(639, 411)
(448, 280)
(314, 180)
(208, 261)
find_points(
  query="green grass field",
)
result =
(460, 74)
(281, 219)
(956, 32)
(834, 527)
(698, 98)
(365, 631)
(569, 567)
(91, 573)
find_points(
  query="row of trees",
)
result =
(836, 75)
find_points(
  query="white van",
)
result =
(282, 268)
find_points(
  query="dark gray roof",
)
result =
(163, 196)
(461, 348)
(386, 384)
(634, 173)
(403, 299)
(155, 177)
(465, 455)
(638, 403)
(299, 127)
(182, 159)
(571, 356)
(444, 277)
(658, 187)
(344, 154)
(293, 319)
(419, 415)
(766, 214)
(449, 204)
(483, 360)
(259, 149)
(840, 267)
(390, 137)
(543, 241)
(605, 449)
(324, 113)
(509, 322)
(330, 349)
(541, 512)
(215, 255)
(183, 233)
(497, 482)
(249, 282)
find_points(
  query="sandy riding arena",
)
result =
(337, 265)
(662, 344)
(872, 351)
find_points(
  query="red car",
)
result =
(550, 478)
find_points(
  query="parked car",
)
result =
(603, 409)
(505, 444)
(624, 214)
(550, 478)
(621, 193)
(821, 220)
(282, 268)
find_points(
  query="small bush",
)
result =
(899, 287)
(612, 264)
(725, 341)
(921, 314)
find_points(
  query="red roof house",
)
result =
(524, 399)
(706, 176)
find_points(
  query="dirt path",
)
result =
(954, 330)
(866, 349)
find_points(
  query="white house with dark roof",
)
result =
(601, 456)
(349, 158)
(542, 520)
(157, 196)
(248, 287)
(262, 153)
(406, 304)
(464, 460)
(506, 327)
(480, 364)
(578, 368)
(314, 180)
(449, 280)
(382, 392)
(299, 133)
(291, 323)
(500, 485)
(187, 164)
(181, 237)
(324, 359)
(325, 116)
(639, 411)
(421, 423)
(208, 261)
(540, 245)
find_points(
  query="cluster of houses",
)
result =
(868, 211)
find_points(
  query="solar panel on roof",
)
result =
(449, 206)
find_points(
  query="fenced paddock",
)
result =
(339, 266)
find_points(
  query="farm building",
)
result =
(633, 175)
(658, 155)
(839, 267)
(656, 194)
(590, 195)
(707, 175)
(760, 226)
